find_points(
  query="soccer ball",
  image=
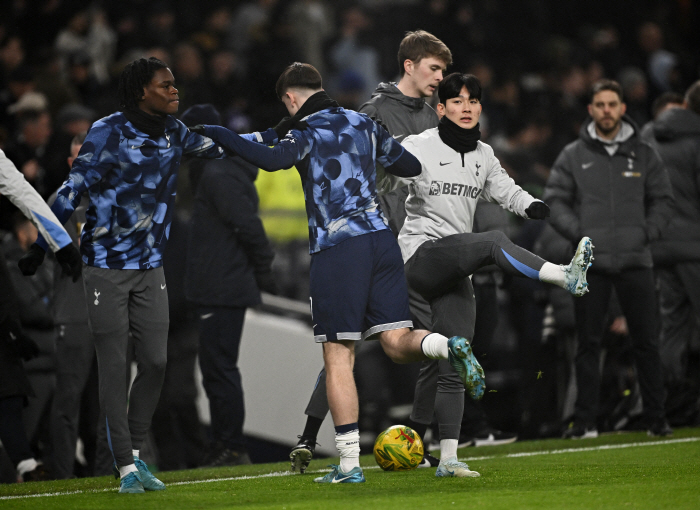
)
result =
(398, 448)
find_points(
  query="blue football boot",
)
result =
(463, 361)
(337, 476)
(131, 484)
(150, 482)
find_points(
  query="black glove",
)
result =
(266, 282)
(31, 260)
(24, 347)
(71, 262)
(283, 127)
(537, 210)
(200, 129)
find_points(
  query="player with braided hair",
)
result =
(128, 166)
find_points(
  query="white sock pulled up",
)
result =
(125, 470)
(434, 346)
(448, 449)
(554, 274)
(348, 445)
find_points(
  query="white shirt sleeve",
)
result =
(501, 188)
(14, 186)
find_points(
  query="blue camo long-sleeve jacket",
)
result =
(131, 183)
(336, 156)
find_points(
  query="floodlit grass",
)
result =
(613, 471)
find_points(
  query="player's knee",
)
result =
(497, 237)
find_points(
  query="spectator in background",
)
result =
(177, 432)
(228, 263)
(75, 349)
(35, 300)
(15, 388)
(28, 149)
(634, 82)
(664, 102)
(676, 253)
(622, 217)
(191, 80)
(14, 344)
(353, 51)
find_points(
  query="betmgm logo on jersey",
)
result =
(438, 188)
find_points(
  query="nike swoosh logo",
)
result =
(396, 137)
(586, 165)
(206, 316)
(340, 480)
(443, 164)
(162, 285)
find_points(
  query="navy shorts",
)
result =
(358, 288)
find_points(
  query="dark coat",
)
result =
(227, 243)
(13, 380)
(622, 202)
(676, 135)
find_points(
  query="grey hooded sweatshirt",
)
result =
(401, 116)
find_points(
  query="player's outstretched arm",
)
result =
(283, 155)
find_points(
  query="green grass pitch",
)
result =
(613, 471)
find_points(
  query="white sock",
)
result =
(348, 445)
(434, 346)
(125, 470)
(554, 274)
(26, 465)
(448, 449)
(136, 453)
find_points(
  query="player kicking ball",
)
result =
(357, 283)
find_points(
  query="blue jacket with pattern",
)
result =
(336, 156)
(131, 182)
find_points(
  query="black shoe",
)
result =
(38, 474)
(302, 453)
(220, 456)
(578, 430)
(429, 461)
(488, 437)
(660, 427)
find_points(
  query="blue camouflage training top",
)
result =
(131, 182)
(336, 156)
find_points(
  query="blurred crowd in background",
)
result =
(536, 59)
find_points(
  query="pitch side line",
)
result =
(289, 473)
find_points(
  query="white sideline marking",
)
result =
(289, 473)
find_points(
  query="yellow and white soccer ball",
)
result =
(398, 448)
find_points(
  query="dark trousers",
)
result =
(636, 293)
(12, 434)
(679, 295)
(75, 352)
(120, 302)
(220, 329)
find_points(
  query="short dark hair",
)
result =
(663, 100)
(135, 76)
(420, 44)
(452, 84)
(692, 97)
(602, 85)
(298, 75)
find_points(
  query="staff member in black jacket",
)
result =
(676, 135)
(612, 185)
(228, 262)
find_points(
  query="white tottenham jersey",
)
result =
(442, 199)
(14, 186)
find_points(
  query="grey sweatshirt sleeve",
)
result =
(14, 186)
